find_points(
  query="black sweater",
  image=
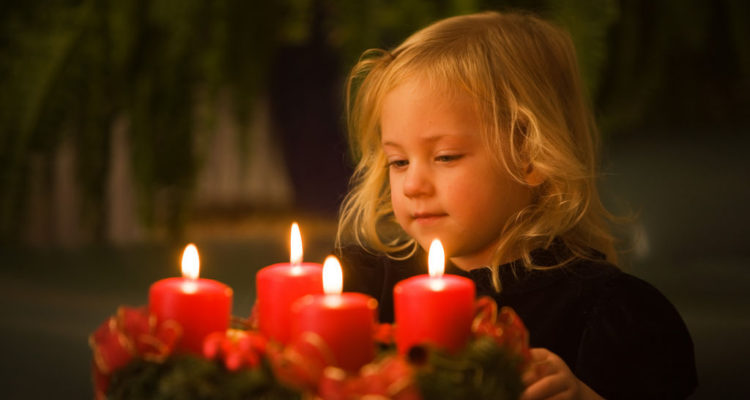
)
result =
(617, 333)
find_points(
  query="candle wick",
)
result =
(334, 299)
(436, 283)
(190, 285)
(296, 269)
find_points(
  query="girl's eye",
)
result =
(398, 163)
(448, 158)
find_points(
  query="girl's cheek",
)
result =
(395, 185)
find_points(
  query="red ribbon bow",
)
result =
(237, 348)
(130, 333)
(505, 327)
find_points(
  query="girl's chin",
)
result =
(426, 241)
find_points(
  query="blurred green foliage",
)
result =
(677, 64)
(70, 68)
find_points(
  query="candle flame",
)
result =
(295, 245)
(436, 259)
(190, 262)
(333, 279)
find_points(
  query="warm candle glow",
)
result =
(436, 259)
(197, 306)
(332, 276)
(295, 245)
(190, 262)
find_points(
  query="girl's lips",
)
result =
(427, 217)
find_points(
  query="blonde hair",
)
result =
(523, 74)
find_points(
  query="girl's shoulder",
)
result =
(614, 291)
(627, 339)
(613, 296)
(593, 277)
(632, 325)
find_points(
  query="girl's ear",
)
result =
(533, 176)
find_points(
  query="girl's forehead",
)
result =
(413, 111)
(430, 80)
(443, 95)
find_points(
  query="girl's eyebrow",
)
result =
(428, 139)
(391, 145)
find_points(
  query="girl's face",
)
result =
(444, 183)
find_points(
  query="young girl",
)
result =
(475, 131)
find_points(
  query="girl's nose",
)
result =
(417, 182)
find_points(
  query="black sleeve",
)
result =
(363, 272)
(636, 345)
(376, 275)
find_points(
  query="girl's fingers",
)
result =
(544, 388)
(536, 371)
(560, 396)
(539, 354)
(541, 366)
(548, 377)
(529, 376)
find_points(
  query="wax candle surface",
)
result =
(436, 310)
(341, 325)
(200, 306)
(345, 323)
(277, 287)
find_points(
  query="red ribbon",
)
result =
(390, 378)
(237, 348)
(505, 327)
(131, 333)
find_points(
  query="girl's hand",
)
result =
(548, 377)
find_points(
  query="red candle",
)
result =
(340, 325)
(434, 309)
(279, 285)
(200, 306)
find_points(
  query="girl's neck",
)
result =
(481, 259)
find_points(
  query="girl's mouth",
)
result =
(427, 217)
